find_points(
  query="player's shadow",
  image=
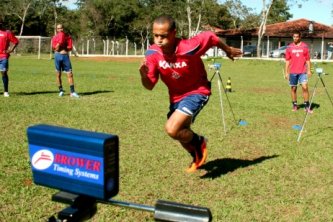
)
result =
(313, 106)
(35, 93)
(219, 167)
(95, 92)
(56, 92)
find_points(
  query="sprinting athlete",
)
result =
(178, 63)
(8, 42)
(298, 69)
(62, 44)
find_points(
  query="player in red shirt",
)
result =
(62, 44)
(8, 43)
(298, 69)
(178, 63)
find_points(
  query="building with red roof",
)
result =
(315, 34)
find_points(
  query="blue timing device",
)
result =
(217, 66)
(76, 161)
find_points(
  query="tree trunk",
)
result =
(188, 9)
(55, 17)
(199, 17)
(23, 18)
(262, 27)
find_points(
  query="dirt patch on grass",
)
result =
(280, 122)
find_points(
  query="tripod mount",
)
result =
(221, 87)
(319, 71)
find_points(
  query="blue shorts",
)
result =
(62, 62)
(3, 65)
(190, 105)
(295, 79)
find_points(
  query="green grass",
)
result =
(257, 172)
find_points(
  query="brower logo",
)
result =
(42, 159)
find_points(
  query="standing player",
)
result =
(6, 38)
(178, 63)
(298, 69)
(62, 44)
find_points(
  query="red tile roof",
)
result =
(283, 29)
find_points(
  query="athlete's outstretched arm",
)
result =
(230, 51)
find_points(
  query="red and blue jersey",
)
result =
(6, 37)
(298, 55)
(64, 40)
(183, 72)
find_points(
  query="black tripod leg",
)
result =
(322, 81)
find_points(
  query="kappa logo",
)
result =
(176, 65)
(42, 159)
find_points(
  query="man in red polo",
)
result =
(8, 43)
(298, 69)
(62, 44)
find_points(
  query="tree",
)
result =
(20, 9)
(279, 12)
(107, 18)
(242, 17)
(262, 28)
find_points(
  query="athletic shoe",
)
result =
(295, 108)
(201, 152)
(6, 94)
(193, 165)
(61, 93)
(75, 95)
(308, 110)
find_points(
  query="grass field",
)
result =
(257, 172)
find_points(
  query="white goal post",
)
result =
(39, 46)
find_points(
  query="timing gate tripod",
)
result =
(319, 72)
(217, 67)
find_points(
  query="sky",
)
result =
(315, 10)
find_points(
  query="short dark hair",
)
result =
(298, 32)
(166, 19)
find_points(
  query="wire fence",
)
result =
(40, 47)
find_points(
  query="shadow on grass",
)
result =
(219, 167)
(35, 93)
(313, 106)
(56, 92)
(94, 92)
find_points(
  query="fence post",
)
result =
(82, 49)
(112, 47)
(94, 45)
(117, 47)
(126, 51)
(87, 46)
(107, 45)
(104, 47)
(39, 45)
(142, 48)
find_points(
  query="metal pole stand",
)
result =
(83, 208)
(217, 67)
(319, 72)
